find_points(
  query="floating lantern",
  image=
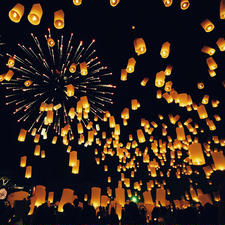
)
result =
(28, 172)
(59, 19)
(167, 3)
(22, 135)
(16, 13)
(222, 9)
(139, 46)
(184, 4)
(77, 2)
(36, 12)
(131, 65)
(196, 154)
(221, 44)
(207, 25)
(165, 50)
(160, 79)
(51, 42)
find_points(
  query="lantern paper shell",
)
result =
(9, 75)
(211, 63)
(51, 42)
(139, 46)
(67, 197)
(59, 19)
(28, 172)
(16, 13)
(11, 62)
(23, 161)
(83, 69)
(40, 193)
(184, 4)
(165, 50)
(70, 90)
(219, 160)
(167, 3)
(114, 3)
(144, 81)
(27, 83)
(222, 9)
(196, 154)
(131, 65)
(73, 68)
(95, 196)
(147, 197)
(36, 12)
(207, 25)
(77, 2)
(22, 135)
(202, 112)
(120, 196)
(221, 44)
(160, 79)
(123, 76)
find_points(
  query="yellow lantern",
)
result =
(201, 85)
(36, 138)
(123, 76)
(167, 3)
(23, 161)
(207, 25)
(168, 86)
(139, 46)
(165, 50)
(221, 44)
(9, 75)
(95, 196)
(141, 136)
(120, 195)
(114, 3)
(196, 154)
(168, 70)
(117, 129)
(202, 112)
(50, 197)
(75, 168)
(73, 68)
(208, 50)
(180, 133)
(59, 19)
(160, 79)
(51, 42)
(219, 160)
(34, 17)
(131, 65)
(54, 140)
(2, 77)
(205, 100)
(211, 63)
(37, 150)
(28, 172)
(77, 2)
(49, 118)
(22, 135)
(73, 158)
(184, 4)
(16, 13)
(27, 83)
(11, 62)
(222, 9)
(67, 197)
(83, 69)
(112, 122)
(70, 90)
(144, 81)
(212, 73)
(43, 154)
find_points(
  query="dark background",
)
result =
(111, 27)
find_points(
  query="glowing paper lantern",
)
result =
(131, 65)
(201, 85)
(16, 13)
(37, 150)
(73, 68)
(139, 46)
(165, 50)
(167, 3)
(34, 17)
(123, 76)
(202, 112)
(208, 50)
(59, 19)
(147, 197)
(222, 9)
(196, 154)
(23, 161)
(73, 158)
(11, 62)
(219, 160)
(27, 83)
(114, 3)
(207, 25)
(51, 42)
(184, 4)
(22, 135)
(144, 81)
(161, 196)
(83, 69)
(221, 44)
(120, 196)
(28, 172)
(160, 79)
(77, 2)
(75, 168)
(180, 133)
(141, 136)
(70, 90)
(8, 76)
(211, 63)
(67, 197)
(51, 197)
(40, 193)
(95, 196)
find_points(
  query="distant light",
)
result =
(134, 199)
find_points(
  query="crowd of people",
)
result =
(131, 214)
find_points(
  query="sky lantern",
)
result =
(50, 115)
(211, 63)
(205, 99)
(50, 197)
(77, 2)
(160, 79)
(23, 161)
(168, 86)
(120, 196)
(22, 135)
(83, 69)
(144, 81)
(202, 112)
(184, 4)
(50, 42)
(139, 46)
(165, 50)
(207, 25)
(27, 83)
(208, 50)
(161, 196)
(70, 90)
(123, 76)
(59, 19)
(28, 172)
(95, 196)
(36, 12)
(141, 136)
(131, 65)
(37, 150)
(222, 9)
(180, 133)
(221, 44)
(16, 13)
(67, 197)
(11, 62)
(114, 3)
(200, 85)
(75, 168)
(73, 68)
(54, 140)
(219, 160)
(72, 158)
(8, 76)
(167, 3)
(196, 154)
(40, 193)
(168, 70)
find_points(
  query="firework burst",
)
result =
(53, 75)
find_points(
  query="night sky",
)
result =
(112, 29)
